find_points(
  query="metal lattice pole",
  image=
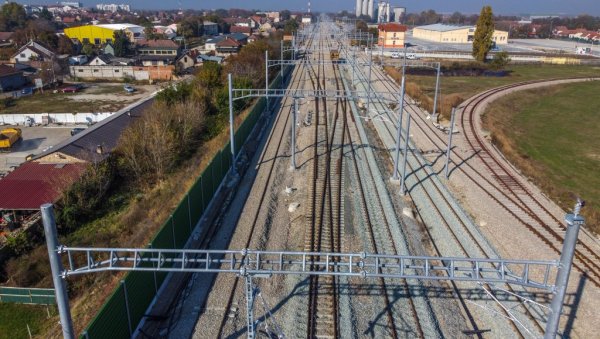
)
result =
(406, 138)
(249, 306)
(369, 87)
(231, 124)
(56, 267)
(449, 149)
(574, 222)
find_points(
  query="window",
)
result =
(23, 55)
(394, 35)
(80, 70)
(116, 71)
(86, 40)
(97, 41)
(95, 71)
(109, 40)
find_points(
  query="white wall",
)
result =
(64, 118)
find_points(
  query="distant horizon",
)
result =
(500, 7)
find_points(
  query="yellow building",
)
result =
(454, 34)
(100, 34)
(391, 35)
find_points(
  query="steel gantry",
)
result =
(253, 263)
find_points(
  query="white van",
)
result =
(395, 55)
(412, 56)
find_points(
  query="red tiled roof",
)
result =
(240, 29)
(6, 35)
(392, 27)
(33, 184)
(229, 42)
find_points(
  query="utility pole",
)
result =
(399, 132)
(369, 87)
(407, 138)
(293, 146)
(231, 124)
(437, 89)
(267, 77)
(56, 267)
(449, 149)
(574, 222)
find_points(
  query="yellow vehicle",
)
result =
(334, 54)
(9, 136)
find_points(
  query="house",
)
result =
(11, 78)
(100, 34)
(101, 60)
(185, 61)
(241, 29)
(211, 44)
(6, 39)
(266, 27)
(108, 48)
(253, 38)
(158, 47)
(32, 51)
(228, 46)
(210, 28)
(391, 35)
(78, 60)
(202, 58)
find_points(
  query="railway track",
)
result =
(274, 145)
(507, 190)
(457, 228)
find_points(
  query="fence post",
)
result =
(173, 231)
(189, 211)
(574, 222)
(153, 272)
(267, 77)
(60, 290)
(127, 306)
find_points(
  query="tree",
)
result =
(65, 46)
(121, 43)
(291, 26)
(88, 49)
(482, 41)
(361, 26)
(12, 16)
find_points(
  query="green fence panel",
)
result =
(140, 291)
(111, 321)
(181, 222)
(19, 295)
(196, 201)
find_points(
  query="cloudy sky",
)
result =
(572, 7)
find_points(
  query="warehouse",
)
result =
(452, 34)
(101, 34)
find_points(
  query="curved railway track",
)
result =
(508, 191)
(479, 249)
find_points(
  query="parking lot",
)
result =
(34, 140)
(94, 97)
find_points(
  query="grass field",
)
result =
(14, 319)
(455, 89)
(553, 135)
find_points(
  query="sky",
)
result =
(540, 7)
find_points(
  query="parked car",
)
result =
(77, 130)
(412, 56)
(70, 89)
(27, 91)
(129, 89)
(395, 55)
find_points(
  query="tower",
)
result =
(365, 7)
(369, 11)
(308, 6)
(358, 9)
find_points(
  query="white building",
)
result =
(113, 7)
(399, 13)
(383, 12)
(364, 7)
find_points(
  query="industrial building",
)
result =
(391, 35)
(442, 33)
(101, 34)
(364, 7)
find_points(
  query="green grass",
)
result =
(14, 319)
(468, 86)
(552, 134)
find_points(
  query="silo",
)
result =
(359, 4)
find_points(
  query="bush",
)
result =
(500, 60)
